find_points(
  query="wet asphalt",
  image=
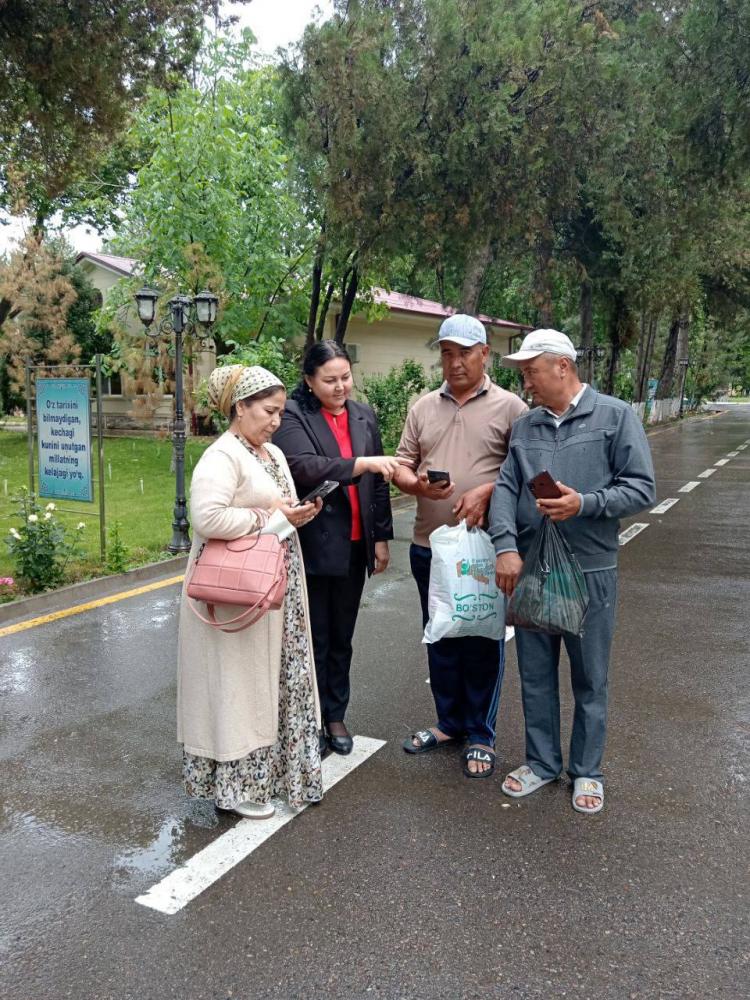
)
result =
(408, 882)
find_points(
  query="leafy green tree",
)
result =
(212, 205)
(71, 72)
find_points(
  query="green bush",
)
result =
(507, 378)
(275, 354)
(117, 552)
(389, 396)
(41, 547)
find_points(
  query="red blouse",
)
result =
(339, 425)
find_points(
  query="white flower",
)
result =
(33, 518)
(50, 506)
(14, 533)
(47, 516)
(81, 525)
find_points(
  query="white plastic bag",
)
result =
(463, 597)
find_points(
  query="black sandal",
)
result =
(427, 741)
(482, 755)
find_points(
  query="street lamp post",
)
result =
(683, 363)
(184, 313)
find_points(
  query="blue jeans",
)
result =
(465, 674)
(538, 663)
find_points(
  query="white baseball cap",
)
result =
(462, 329)
(541, 342)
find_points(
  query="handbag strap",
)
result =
(252, 615)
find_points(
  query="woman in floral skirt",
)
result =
(247, 704)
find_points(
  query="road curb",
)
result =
(104, 586)
(79, 593)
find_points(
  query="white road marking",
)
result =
(189, 880)
(732, 454)
(706, 473)
(629, 533)
(722, 461)
(688, 487)
(742, 447)
(664, 506)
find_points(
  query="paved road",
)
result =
(409, 881)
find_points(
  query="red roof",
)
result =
(398, 302)
(123, 265)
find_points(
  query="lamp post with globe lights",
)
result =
(194, 315)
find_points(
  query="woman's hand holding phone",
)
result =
(298, 515)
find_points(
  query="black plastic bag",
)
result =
(551, 594)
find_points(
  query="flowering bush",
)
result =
(41, 547)
(7, 584)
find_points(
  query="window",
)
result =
(112, 384)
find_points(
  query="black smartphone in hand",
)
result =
(319, 492)
(544, 487)
(437, 476)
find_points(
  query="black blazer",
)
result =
(313, 455)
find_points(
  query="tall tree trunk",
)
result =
(620, 331)
(665, 388)
(640, 355)
(320, 329)
(543, 280)
(351, 282)
(670, 380)
(317, 275)
(649, 326)
(587, 331)
(476, 269)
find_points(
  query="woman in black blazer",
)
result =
(326, 435)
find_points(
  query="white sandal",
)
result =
(253, 810)
(590, 787)
(527, 779)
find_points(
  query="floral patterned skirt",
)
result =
(290, 769)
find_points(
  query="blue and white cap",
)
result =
(462, 329)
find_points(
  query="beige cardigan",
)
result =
(228, 684)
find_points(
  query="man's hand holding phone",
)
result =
(553, 498)
(435, 484)
(567, 505)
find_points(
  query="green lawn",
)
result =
(138, 490)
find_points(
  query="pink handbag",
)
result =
(247, 572)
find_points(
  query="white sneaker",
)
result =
(254, 810)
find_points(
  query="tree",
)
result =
(347, 118)
(70, 74)
(35, 300)
(212, 206)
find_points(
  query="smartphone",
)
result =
(320, 491)
(436, 476)
(544, 487)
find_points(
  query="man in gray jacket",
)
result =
(595, 448)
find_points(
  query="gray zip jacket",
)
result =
(600, 450)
